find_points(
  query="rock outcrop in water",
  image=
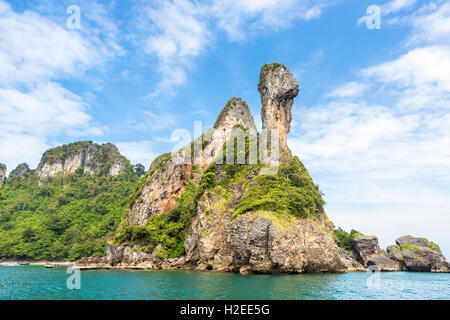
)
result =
(192, 211)
(365, 247)
(409, 254)
(261, 239)
(258, 245)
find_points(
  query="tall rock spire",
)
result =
(278, 88)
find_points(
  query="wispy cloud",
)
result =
(35, 49)
(396, 5)
(47, 108)
(138, 151)
(36, 52)
(181, 30)
(350, 89)
(431, 24)
(385, 149)
(181, 34)
(239, 19)
(391, 7)
(150, 121)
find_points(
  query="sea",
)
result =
(39, 283)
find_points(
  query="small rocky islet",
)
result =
(202, 214)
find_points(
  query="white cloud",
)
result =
(46, 109)
(396, 5)
(350, 89)
(151, 121)
(36, 52)
(138, 151)
(374, 141)
(100, 27)
(29, 117)
(182, 29)
(18, 148)
(390, 222)
(181, 33)
(418, 78)
(34, 49)
(390, 8)
(432, 24)
(427, 65)
(382, 156)
(241, 18)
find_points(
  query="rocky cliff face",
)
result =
(278, 88)
(240, 219)
(20, 171)
(365, 248)
(158, 190)
(257, 242)
(2, 173)
(409, 254)
(418, 254)
(169, 172)
(88, 156)
(258, 245)
(260, 241)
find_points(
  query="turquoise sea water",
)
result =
(36, 282)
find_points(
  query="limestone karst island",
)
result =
(86, 203)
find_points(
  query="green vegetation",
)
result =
(290, 191)
(67, 217)
(269, 67)
(21, 170)
(138, 169)
(197, 145)
(208, 181)
(131, 234)
(410, 247)
(167, 229)
(63, 152)
(103, 157)
(265, 70)
(397, 251)
(433, 246)
(344, 240)
(195, 170)
(159, 163)
(279, 220)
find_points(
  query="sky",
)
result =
(371, 122)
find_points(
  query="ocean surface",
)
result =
(36, 282)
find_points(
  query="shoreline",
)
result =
(142, 268)
(56, 264)
(39, 262)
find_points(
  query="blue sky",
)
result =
(371, 123)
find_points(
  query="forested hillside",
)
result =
(66, 216)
